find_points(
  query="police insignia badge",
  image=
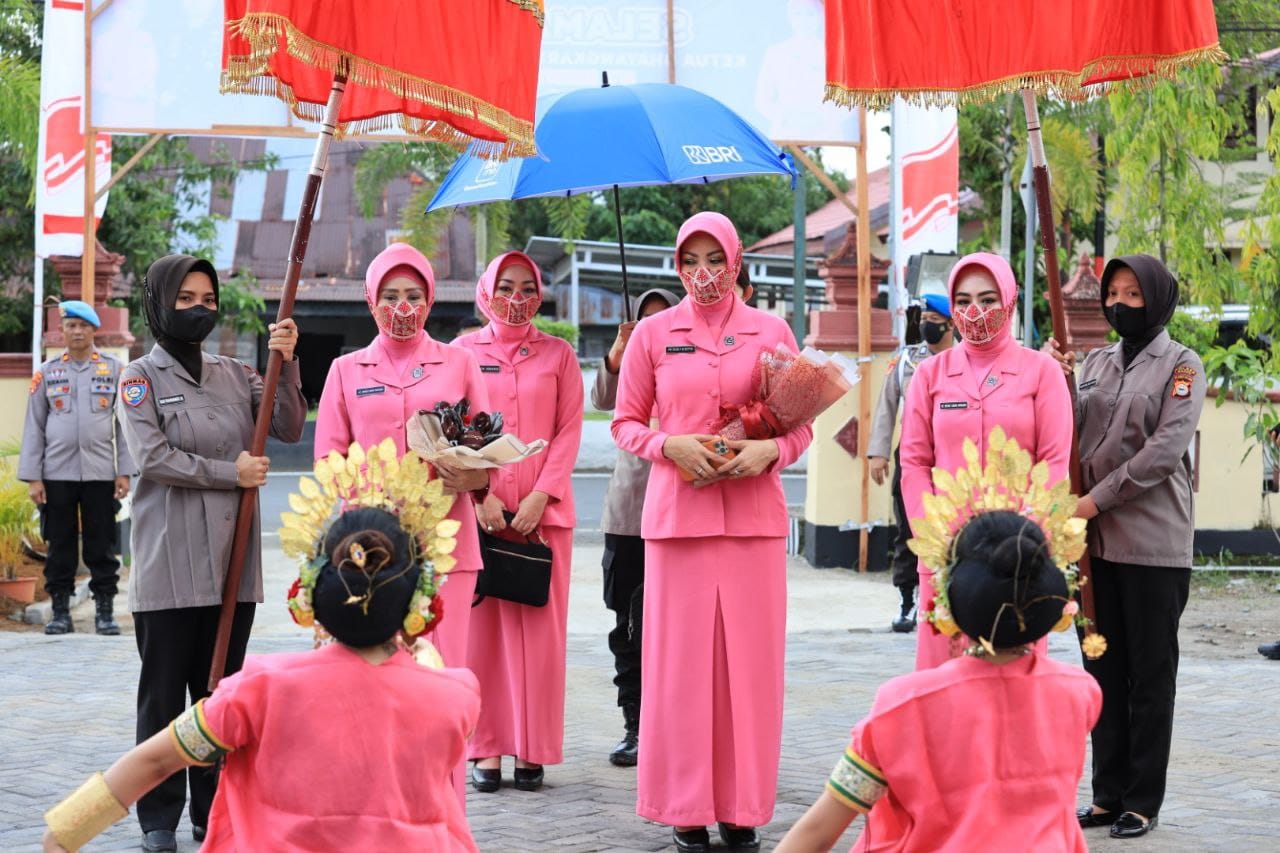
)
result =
(1183, 375)
(134, 390)
(36, 379)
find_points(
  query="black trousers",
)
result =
(906, 573)
(73, 508)
(1138, 609)
(624, 594)
(176, 647)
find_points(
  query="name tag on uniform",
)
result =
(959, 404)
(683, 349)
(490, 368)
(372, 389)
(1089, 384)
(172, 399)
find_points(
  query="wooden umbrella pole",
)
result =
(271, 380)
(1049, 240)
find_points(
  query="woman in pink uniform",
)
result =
(371, 394)
(517, 651)
(982, 752)
(988, 380)
(715, 599)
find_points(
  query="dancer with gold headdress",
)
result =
(988, 745)
(293, 731)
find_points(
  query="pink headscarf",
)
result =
(488, 282)
(994, 324)
(721, 229)
(395, 255)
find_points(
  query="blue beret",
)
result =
(938, 304)
(80, 311)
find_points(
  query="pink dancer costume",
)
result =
(966, 392)
(518, 652)
(715, 582)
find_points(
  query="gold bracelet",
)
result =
(84, 814)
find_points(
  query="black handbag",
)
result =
(514, 571)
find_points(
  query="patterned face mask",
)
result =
(402, 321)
(979, 325)
(707, 287)
(514, 312)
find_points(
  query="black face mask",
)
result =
(933, 332)
(192, 325)
(1129, 322)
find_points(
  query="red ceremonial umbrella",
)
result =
(448, 71)
(940, 52)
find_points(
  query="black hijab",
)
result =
(1159, 292)
(160, 291)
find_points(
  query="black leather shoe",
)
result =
(1129, 825)
(693, 841)
(199, 832)
(528, 778)
(739, 837)
(486, 781)
(159, 840)
(1088, 817)
(906, 621)
(1271, 651)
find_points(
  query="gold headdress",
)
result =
(373, 478)
(1008, 482)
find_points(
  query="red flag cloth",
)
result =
(441, 69)
(938, 52)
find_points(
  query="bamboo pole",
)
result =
(117, 174)
(1049, 240)
(89, 250)
(271, 380)
(671, 41)
(864, 336)
(823, 177)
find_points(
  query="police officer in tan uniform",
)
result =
(188, 418)
(936, 332)
(1138, 406)
(77, 467)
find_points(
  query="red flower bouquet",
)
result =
(790, 390)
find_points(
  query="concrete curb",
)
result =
(40, 612)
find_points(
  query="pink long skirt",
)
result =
(451, 641)
(518, 654)
(714, 642)
(933, 648)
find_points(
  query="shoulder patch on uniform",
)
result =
(135, 390)
(36, 379)
(1183, 376)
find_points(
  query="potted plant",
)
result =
(15, 523)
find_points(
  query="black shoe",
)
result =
(105, 622)
(61, 621)
(199, 832)
(693, 841)
(739, 837)
(626, 753)
(1271, 651)
(1129, 825)
(906, 621)
(1088, 817)
(159, 839)
(528, 778)
(486, 781)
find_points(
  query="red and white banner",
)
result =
(924, 211)
(60, 174)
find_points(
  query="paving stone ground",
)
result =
(67, 706)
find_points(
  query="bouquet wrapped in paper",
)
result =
(789, 390)
(466, 439)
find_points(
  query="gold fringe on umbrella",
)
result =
(249, 75)
(534, 6)
(1140, 71)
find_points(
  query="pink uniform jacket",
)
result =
(1028, 398)
(539, 393)
(674, 368)
(365, 401)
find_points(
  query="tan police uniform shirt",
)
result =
(71, 432)
(185, 437)
(892, 393)
(1136, 429)
(624, 499)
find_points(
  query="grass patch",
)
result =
(1226, 558)
(597, 416)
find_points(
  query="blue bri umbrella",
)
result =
(620, 136)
